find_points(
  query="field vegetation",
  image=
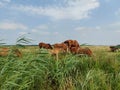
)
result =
(38, 70)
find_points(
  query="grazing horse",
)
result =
(114, 48)
(61, 46)
(74, 50)
(85, 51)
(6, 51)
(72, 43)
(44, 45)
(55, 52)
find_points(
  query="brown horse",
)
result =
(55, 52)
(6, 51)
(74, 50)
(113, 48)
(44, 45)
(85, 51)
(61, 46)
(72, 43)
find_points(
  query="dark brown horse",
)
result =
(113, 48)
(45, 45)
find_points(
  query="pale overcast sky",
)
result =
(95, 22)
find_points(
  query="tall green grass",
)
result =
(38, 70)
(35, 71)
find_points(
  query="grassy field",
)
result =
(38, 70)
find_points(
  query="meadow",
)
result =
(38, 70)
